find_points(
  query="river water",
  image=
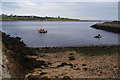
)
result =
(71, 33)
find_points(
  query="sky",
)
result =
(60, 0)
(77, 10)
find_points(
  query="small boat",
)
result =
(42, 31)
(98, 36)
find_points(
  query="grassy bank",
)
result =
(88, 50)
(113, 22)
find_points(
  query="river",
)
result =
(60, 33)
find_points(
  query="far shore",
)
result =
(60, 20)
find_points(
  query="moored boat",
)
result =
(42, 31)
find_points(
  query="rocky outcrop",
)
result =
(112, 27)
(14, 61)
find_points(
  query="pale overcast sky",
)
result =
(79, 10)
(60, 0)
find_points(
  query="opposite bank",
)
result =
(108, 26)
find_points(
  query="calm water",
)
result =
(59, 33)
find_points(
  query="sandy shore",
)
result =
(75, 65)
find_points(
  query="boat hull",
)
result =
(42, 31)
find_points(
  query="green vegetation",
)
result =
(29, 71)
(87, 50)
(44, 78)
(113, 22)
(43, 73)
(20, 18)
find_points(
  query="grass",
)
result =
(6, 18)
(112, 22)
(87, 50)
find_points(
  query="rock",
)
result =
(71, 58)
(62, 65)
(33, 54)
(83, 64)
(42, 73)
(65, 64)
(77, 69)
(85, 69)
(66, 78)
(71, 54)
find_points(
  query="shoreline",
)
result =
(71, 46)
(87, 50)
(58, 20)
(73, 62)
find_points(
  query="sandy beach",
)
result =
(75, 65)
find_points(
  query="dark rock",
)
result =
(71, 65)
(71, 58)
(66, 78)
(85, 69)
(42, 73)
(115, 67)
(62, 65)
(83, 64)
(71, 54)
(33, 54)
(65, 64)
(77, 69)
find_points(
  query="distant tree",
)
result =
(58, 16)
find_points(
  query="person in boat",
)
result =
(40, 29)
(99, 35)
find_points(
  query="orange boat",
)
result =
(42, 31)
